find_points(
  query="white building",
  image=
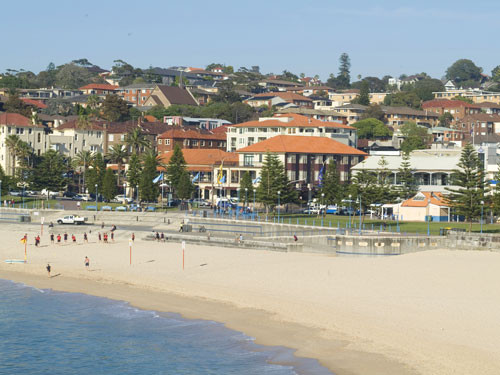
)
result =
(15, 124)
(248, 133)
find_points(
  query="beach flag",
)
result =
(196, 178)
(220, 175)
(23, 240)
(158, 178)
(321, 174)
(256, 180)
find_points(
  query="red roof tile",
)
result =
(15, 119)
(435, 198)
(36, 103)
(287, 96)
(302, 145)
(183, 133)
(445, 103)
(207, 157)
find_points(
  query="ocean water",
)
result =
(49, 332)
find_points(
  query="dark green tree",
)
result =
(71, 76)
(469, 177)
(332, 188)
(385, 188)
(15, 105)
(134, 170)
(274, 179)
(374, 111)
(408, 186)
(364, 187)
(495, 197)
(246, 183)
(95, 174)
(364, 94)
(114, 108)
(184, 187)
(48, 174)
(371, 128)
(445, 119)
(344, 77)
(464, 70)
(403, 99)
(176, 167)
(425, 88)
(416, 137)
(149, 190)
(109, 190)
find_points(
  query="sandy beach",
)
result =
(433, 312)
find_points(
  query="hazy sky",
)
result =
(385, 37)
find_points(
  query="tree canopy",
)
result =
(371, 128)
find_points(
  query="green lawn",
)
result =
(404, 227)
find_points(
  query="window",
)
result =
(133, 97)
(30, 131)
(111, 137)
(94, 148)
(99, 134)
(160, 141)
(242, 141)
(194, 143)
(76, 137)
(143, 91)
(203, 143)
(39, 138)
(248, 160)
(167, 142)
(84, 143)
(122, 137)
(250, 141)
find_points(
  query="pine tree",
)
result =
(48, 173)
(385, 190)
(246, 183)
(344, 77)
(109, 185)
(332, 188)
(495, 198)
(147, 189)
(134, 170)
(364, 187)
(95, 174)
(274, 179)
(184, 187)
(364, 94)
(469, 177)
(408, 184)
(176, 167)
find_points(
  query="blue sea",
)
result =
(49, 332)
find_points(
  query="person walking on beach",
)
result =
(48, 269)
(102, 225)
(37, 240)
(99, 235)
(85, 238)
(52, 237)
(113, 236)
(162, 237)
(295, 237)
(73, 238)
(87, 262)
(133, 237)
(58, 238)
(157, 236)
(65, 237)
(105, 238)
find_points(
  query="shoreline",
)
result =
(306, 342)
(431, 312)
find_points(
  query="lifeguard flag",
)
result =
(23, 240)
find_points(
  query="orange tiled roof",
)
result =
(207, 157)
(445, 103)
(435, 198)
(36, 103)
(15, 119)
(302, 145)
(99, 86)
(298, 121)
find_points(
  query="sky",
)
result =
(382, 38)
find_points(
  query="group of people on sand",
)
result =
(159, 237)
(59, 238)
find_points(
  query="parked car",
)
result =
(200, 202)
(135, 207)
(106, 208)
(69, 194)
(71, 219)
(121, 208)
(123, 199)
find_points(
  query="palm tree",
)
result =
(135, 140)
(118, 154)
(24, 155)
(83, 159)
(83, 122)
(12, 143)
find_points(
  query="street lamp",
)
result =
(360, 214)
(482, 205)
(124, 189)
(96, 197)
(279, 193)
(350, 199)
(24, 187)
(253, 209)
(246, 197)
(137, 192)
(322, 202)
